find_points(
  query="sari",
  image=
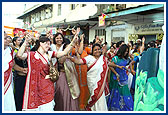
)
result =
(120, 98)
(9, 102)
(97, 83)
(39, 91)
(82, 81)
(66, 87)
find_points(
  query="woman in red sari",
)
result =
(39, 90)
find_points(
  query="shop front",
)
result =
(151, 31)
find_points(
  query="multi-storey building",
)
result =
(121, 22)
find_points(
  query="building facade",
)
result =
(123, 22)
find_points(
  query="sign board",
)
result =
(101, 21)
(149, 28)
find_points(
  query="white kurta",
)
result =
(53, 48)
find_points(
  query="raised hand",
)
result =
(74, 39)
(73, 31)
(82, 37)
(143, 40)
(97, 40)
(78, 30)
(28, 37)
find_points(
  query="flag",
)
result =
(104, 15)
(101, 21)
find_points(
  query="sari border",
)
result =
(94, 97)
(26, 90)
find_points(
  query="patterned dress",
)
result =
(120, 98)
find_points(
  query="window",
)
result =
(83, 5)
(117, 39)
(38, 16)
(42, 15)
(120, 6)
(72, 6)
(33, 18)
(49, 12)
(59, 10)
(100, 32)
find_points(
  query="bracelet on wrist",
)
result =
(117, 75)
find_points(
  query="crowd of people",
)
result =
(92, 77)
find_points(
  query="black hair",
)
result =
(112, 46)
(67, 41)
(21, 43)
(122, 51)
(94, 41)
(91, 43)
(14, 40)
(146, 47)
(120, 42)
(136, 48)
(94, 45)
(117, 44)
(152, 44)
(131, 43)
(41, 39)
(54, 42)
(95, 36)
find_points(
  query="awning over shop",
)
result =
(134, 15)
(135, 10)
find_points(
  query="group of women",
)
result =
(83, 79)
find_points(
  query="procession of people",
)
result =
(91, 76)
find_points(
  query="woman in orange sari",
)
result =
(82, 77)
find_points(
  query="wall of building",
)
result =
(116, 33)
(91, 35)
(80, 13)
(108, 36)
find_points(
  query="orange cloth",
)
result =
(88, 50)
(73, 51)
(82, 80)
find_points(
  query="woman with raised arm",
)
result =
(120, 98)
(96, 78)
(64, 86)
(39, 91)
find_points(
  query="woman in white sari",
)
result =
(9, 103)
(96, 78)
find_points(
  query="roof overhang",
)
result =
(30, 11)
(141, 14)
